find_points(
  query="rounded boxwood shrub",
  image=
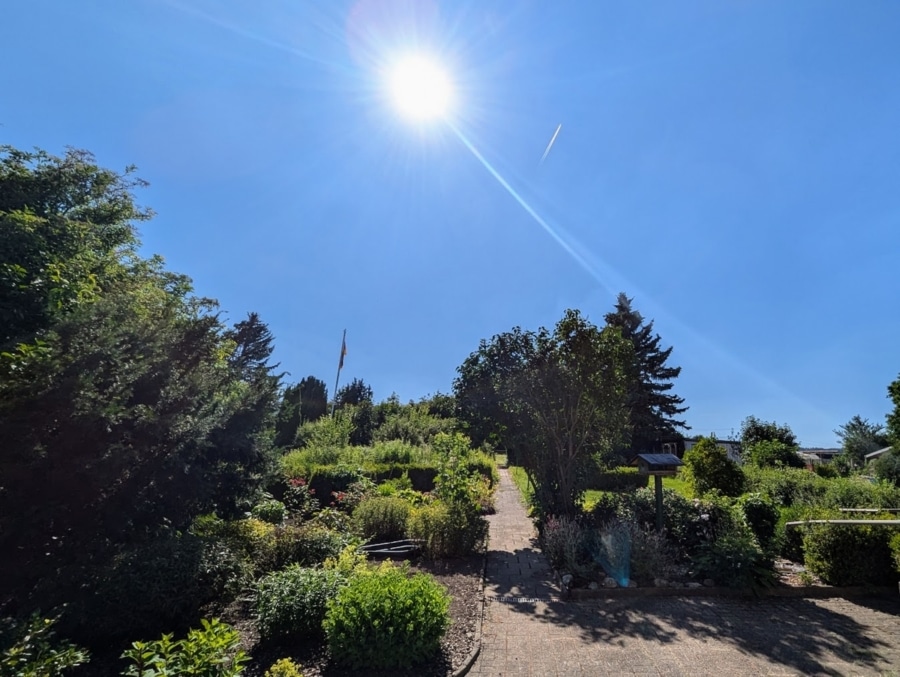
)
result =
(292, 602)
(269, 510)
(387, 619)
(850, 554)
(381, 518)
(446, 530)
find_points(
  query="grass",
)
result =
(591, 496)
(520, 477)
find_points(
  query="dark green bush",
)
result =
(446, 530)
(292, 602)
(789, 540)
(895, 551)
(307, 545)
(385, 619)
(734, 559)
(773, 454)
(761, 515)
(850, 554)
(785, 486)
(381, 518)
(618, 480)
(212, 651)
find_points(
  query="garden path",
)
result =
(527, 630)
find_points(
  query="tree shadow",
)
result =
(805, 635)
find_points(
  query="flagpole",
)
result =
(338, 377)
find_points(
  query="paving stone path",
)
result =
(528, 631)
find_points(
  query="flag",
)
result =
(343, 352)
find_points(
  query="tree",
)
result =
(303, 402)
(773, 454)
(557, 397)
(708, 468)
(127, 407)
(893, 418)
(754, 431)
(354, 392)
(653, 409)
(858, 437)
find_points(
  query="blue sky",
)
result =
(732, 165)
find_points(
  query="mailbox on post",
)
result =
(658, 465)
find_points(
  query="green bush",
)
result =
(789, 540)
(446, 530)
(308, 545)
(32, 650)
(652, 555)
(618, 480)
(887, 467)
(385, 619)
(212, 651)
(269, 510)
(381, 518)
(563, 543)
(850, 554)
(761, 515)
(292, 602)
(708, 468)
(284, 668)
(895, 551)
(734, 559)
(785, 486)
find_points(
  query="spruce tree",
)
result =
(653, 409)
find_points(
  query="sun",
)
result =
(420, 88)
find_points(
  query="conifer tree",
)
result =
(653, 409)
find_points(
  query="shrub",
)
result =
(849, 554)
(563, 543)
(446, 530)
(895, 550)
(292, 602)
(618, 480)
(269, 510)
(34, 650)
(284, 668)
(652, 556)
(386, 619)
(307, 545)
(300, 499)
(211, 651)
(734, 559)
(761, 515)
(381, 518)
(708, 468)
(785, 486)
(789, 540)
(485, 466)
(887, 467)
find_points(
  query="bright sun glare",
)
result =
(420, 88)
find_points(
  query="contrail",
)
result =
(550, 145)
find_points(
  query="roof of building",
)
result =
(657, 459)
(880, 452)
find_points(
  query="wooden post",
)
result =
(657, 479)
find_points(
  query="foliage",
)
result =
(299, 498)
(785, 486)
(618, 479)
(772, 453)
(446, 530)
(381, 519)
(557, 398)
(291, 603)
(302, 402)
(895, 551)
(327, 435)
(887, 467)
(386, 619)
(269, 510)
(563, 543)
(412, 423)
(355, 493)
(363, 418)
(652, 554)
(283, 668)
(653, 410)
(734, 559)
(893, 417)
(760, 514)
(211, 651)
(858, 437)
(354, 393)
(31, 649)
(850, 554)
(708, 468)
(753, 431)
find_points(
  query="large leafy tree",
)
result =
(754, 430)
(356, 392)
(126, 405)
(859, 437)
(557, 397)
(654, 410)
(893, 418)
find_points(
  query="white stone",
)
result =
(660, 583)
(593, 585)
(693, 585)
(567, 579)
(632, 584)
(610, 582)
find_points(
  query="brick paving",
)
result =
(528, 631)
